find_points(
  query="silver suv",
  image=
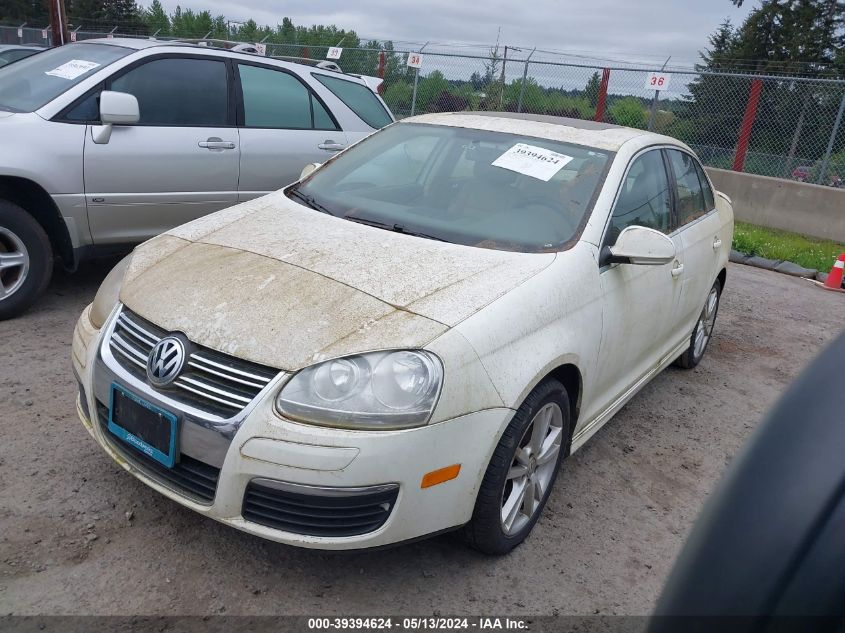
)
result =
(106, 143)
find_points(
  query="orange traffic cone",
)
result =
(834, 279)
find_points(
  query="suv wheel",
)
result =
(522, 471)
(26, 260)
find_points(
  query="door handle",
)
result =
(216, 143)
(330, 146)
(717, 243)
(677, 269)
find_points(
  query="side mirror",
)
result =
(308, 169)
(640, 246)
(116, 108)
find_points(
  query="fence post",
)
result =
(602, 98)
(654, 101)
(524, 78)
(381, 72)
(416, 81)
(829, 150)
(20, 32)
(747, 124)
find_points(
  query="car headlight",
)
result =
(108, 294)
(378, 390)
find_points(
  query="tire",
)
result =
(707, 320)
(26, 260)
(489, 530)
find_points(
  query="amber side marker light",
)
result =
(440, 475)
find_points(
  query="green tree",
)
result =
(591, 90)
(629, 111)
(155, 17)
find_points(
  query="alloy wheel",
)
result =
(532, 468)
(14, 263)
(706, 322)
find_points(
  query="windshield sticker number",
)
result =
(537, 162)
(72, 69)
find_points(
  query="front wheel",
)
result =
(524, 466)
(26, 260)
(703, 331)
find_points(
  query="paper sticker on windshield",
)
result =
(537, 162)
(72, 69)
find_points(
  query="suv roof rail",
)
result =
(250, 49)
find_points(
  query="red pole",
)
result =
(306, 53)
(381, 71)
(747, 124)
(605, 78)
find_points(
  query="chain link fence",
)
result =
(771, 125)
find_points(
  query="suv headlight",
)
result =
(378, 390)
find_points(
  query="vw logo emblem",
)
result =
(166, 361)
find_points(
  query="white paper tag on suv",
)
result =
(72, 69)
(537, 162)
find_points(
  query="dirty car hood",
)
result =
(276, 283)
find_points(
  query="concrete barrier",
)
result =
(790, 205)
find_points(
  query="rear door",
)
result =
(699, 229)
(179, 162)
(283, 127)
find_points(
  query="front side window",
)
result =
(34, 82)
(645, 198)
(179, 91)
(691, 204)
(466, 186)
(359, 98)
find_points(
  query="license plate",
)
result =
(144, 426)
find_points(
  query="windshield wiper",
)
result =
(309, 200)
(396, 228)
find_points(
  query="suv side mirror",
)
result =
(640, 246)
(308, 169)
(116, 108)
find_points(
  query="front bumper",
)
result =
(266, 450)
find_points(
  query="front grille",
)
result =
(211, 381)
(189, 477)
(338, 514)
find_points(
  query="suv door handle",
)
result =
(216, 143)
(717, 243)
(330, 146)
(677, 269)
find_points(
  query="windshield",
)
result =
(33, 82)
(466, 186)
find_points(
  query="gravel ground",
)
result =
(78, 535)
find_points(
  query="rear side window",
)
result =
(359, 98)
(278, 100)
(691, 204)
(709, 199)
(179, 92)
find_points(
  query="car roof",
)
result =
(143, 43)
(25, 47)
(578, 131)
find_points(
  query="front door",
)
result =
(178, 163)
(283, 127)
(639, 301)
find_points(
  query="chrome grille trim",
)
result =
(214, 382)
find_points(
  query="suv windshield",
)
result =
(31, 83)
(467, 186)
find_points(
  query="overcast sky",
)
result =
(629, 29)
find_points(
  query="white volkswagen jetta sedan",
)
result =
(411, 338)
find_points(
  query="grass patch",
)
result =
(776, 244)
